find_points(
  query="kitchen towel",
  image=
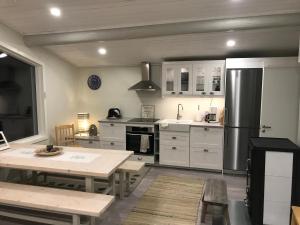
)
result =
(144, 143)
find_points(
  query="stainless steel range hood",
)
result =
(146, 84)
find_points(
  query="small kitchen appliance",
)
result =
(212, 115)
(114, 113)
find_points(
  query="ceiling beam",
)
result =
(206, 26)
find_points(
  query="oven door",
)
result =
(134, 142)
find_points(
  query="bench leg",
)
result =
(112, 184)
(76, 220)
(203, 212)
(226, 215)
(89, 184)
(128, 182)
(121, 184)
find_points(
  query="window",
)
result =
(18, 99)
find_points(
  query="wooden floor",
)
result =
(120, 209)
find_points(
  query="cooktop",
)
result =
(142, 120)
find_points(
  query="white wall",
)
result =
(59, 76)
(114, 93)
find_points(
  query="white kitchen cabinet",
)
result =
(87, 141)
(177, 79)
(113, 136)
(174, 148)
(206, 148)
(193, 78)
(208, 77)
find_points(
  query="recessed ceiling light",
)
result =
(3, 55)
(102, 51)
(230, 43)
(55, 11)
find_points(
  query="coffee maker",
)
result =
(211, 116)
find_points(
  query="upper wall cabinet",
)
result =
(204, 78)
(177, 79)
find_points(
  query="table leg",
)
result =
(90, 187)
(76, 220)
(121, 184)
(89, 184)
(293, 222)
(128, 182)
(34, 177)
(203, 212)
(112, 184)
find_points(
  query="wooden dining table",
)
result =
(87, 163)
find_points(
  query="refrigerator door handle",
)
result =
(225, 116)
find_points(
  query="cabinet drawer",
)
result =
(206, 135)
(278, 189)
(206, 157)
(174, 155)
(89, 143)
(143, 158)
(279, 164)
(174, 138)
(113, 145)
(276, 213)
(113, 131)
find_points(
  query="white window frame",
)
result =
(40, 93)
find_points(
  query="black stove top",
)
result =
(142, 120)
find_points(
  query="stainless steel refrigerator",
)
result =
(242, 115)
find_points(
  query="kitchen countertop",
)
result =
(122, 120)
(205, 124)
(194, 123)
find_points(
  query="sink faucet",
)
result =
(178, 114)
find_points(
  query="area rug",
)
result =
(168, 201)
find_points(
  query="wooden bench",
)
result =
(124, 171)
(50, 200)
(215, 193)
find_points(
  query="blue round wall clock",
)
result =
(94, 82)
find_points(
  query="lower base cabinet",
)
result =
(206, 148)
(209, 157)
(174, 148)
(114, 145)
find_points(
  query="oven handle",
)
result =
(138, 134)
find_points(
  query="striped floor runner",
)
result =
(168, 201)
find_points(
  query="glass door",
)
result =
(216, 79)
(199, 80)
(185, 80)
(170, 86)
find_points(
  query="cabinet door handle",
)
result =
(140, 158)
(203, 93)
(205, 150)
(206, 129)
(173, 92)
(174, 148)
(111, 143)
(180, 92)
(266, 127)
(174, 138)
(111, 124)
(90, 142)
(211, 93)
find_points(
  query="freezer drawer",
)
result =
(236, 147)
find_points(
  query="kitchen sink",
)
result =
(175, 125)
(174, 121)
